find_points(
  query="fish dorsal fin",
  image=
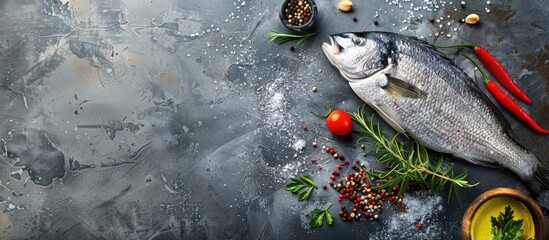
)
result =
(399, 88)
(388, 118)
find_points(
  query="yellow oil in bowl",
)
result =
(481, 226)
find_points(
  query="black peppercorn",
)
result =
(298, 12)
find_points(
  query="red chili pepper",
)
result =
(499, 73)
(495, 68)
(513, 107)
(508, 103)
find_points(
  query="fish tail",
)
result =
(539, 181)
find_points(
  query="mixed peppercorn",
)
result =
(298, 12)
(366, 197)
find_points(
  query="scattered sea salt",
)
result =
(421, 207)
(299, 145)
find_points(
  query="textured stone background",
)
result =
(165, 119)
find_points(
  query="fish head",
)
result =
(356, 55)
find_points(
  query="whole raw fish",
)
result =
(417, 90)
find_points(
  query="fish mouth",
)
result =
(332, 49)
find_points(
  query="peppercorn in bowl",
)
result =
(298, 15)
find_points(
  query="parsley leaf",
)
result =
(306, 194)
(308, 180)
(296, 185)
(319, 215)
(504, 227)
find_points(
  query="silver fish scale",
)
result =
(453, 118)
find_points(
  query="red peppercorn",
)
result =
(324, 186)
(332, 177)
(368, 185)
(346, 162)
(313, 161)
(419, 226)
(339, 166)
(335, 173)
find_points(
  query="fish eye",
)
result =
(358, 40)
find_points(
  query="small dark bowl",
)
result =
(305, 26)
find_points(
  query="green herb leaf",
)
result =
(294, 186)
(504, 227)
(308, 180)
(285, 37)
(317, 221)
(306, 194)
(316, 211)
(295, 189)
(319, 216)
(328, 216)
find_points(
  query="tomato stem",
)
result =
(323, 115)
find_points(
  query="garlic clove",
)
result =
(345, 5)
(472, 19)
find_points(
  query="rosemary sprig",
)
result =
(505, 228)
(319, 215)
(407, 166)
(285, 37)
(303, 182)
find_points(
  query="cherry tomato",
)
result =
(339, 123)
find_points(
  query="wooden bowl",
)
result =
(531, 205)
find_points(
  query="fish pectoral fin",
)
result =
(399, 88)
(480, 163)
(388, 118)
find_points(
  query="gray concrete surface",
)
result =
(165, 119)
